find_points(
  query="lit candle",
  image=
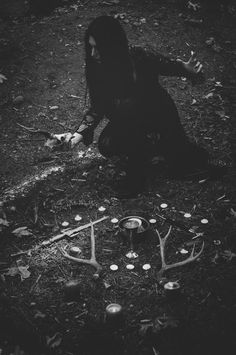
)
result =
(114, 314)
(74, 251)
(172, 288)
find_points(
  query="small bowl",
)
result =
(142, 228)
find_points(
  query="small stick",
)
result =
(35, 284)
(37, 131)
(68, 233)
(174, 223)
(71, 232)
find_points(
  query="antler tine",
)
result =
(162, 245)
(165, 266)
(92, 242)
(92, 261)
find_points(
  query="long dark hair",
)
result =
(116, 70)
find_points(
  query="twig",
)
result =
(180, 225)
(35, 284)
(71, 232)
(68, 233)
(37, 131)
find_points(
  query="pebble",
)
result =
(187, 215)
(78, 218)
(53, 107)
(18, 100)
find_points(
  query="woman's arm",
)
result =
(164, 65)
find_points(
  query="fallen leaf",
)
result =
(211, 94)
(39, 314)
(22, 232)
(4, 222)
(233, 212)
(54, 341)
(2, 78)
(19, 270)
(228, 255)
(24, 272)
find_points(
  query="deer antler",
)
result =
(92, 261)
(164, 265)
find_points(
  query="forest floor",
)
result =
(45, 192)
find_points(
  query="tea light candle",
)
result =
(164, 205)
(74, 251)
(146, 267)
(113, 310)
(204, 221)
(172, 288)
(101, 209)
(114, 267)
(152, 220)
(114, 220)
(129, 266)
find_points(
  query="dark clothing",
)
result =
(143, 111)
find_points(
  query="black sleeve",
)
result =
(160, 64)
(89, 123)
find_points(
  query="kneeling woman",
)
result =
(143, 119)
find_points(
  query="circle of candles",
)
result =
(113, 267)
(164, 205)
(204, 221)
(74, 251)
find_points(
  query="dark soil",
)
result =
(42, 57)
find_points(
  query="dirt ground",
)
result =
(45, 192)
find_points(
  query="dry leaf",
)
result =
(2, 78)
(22, 232)
(54, 341)
(4, 222)
(19, 270)
(228, 255)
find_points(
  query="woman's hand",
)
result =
(64, 141)
(75, 139)
(193, 69)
